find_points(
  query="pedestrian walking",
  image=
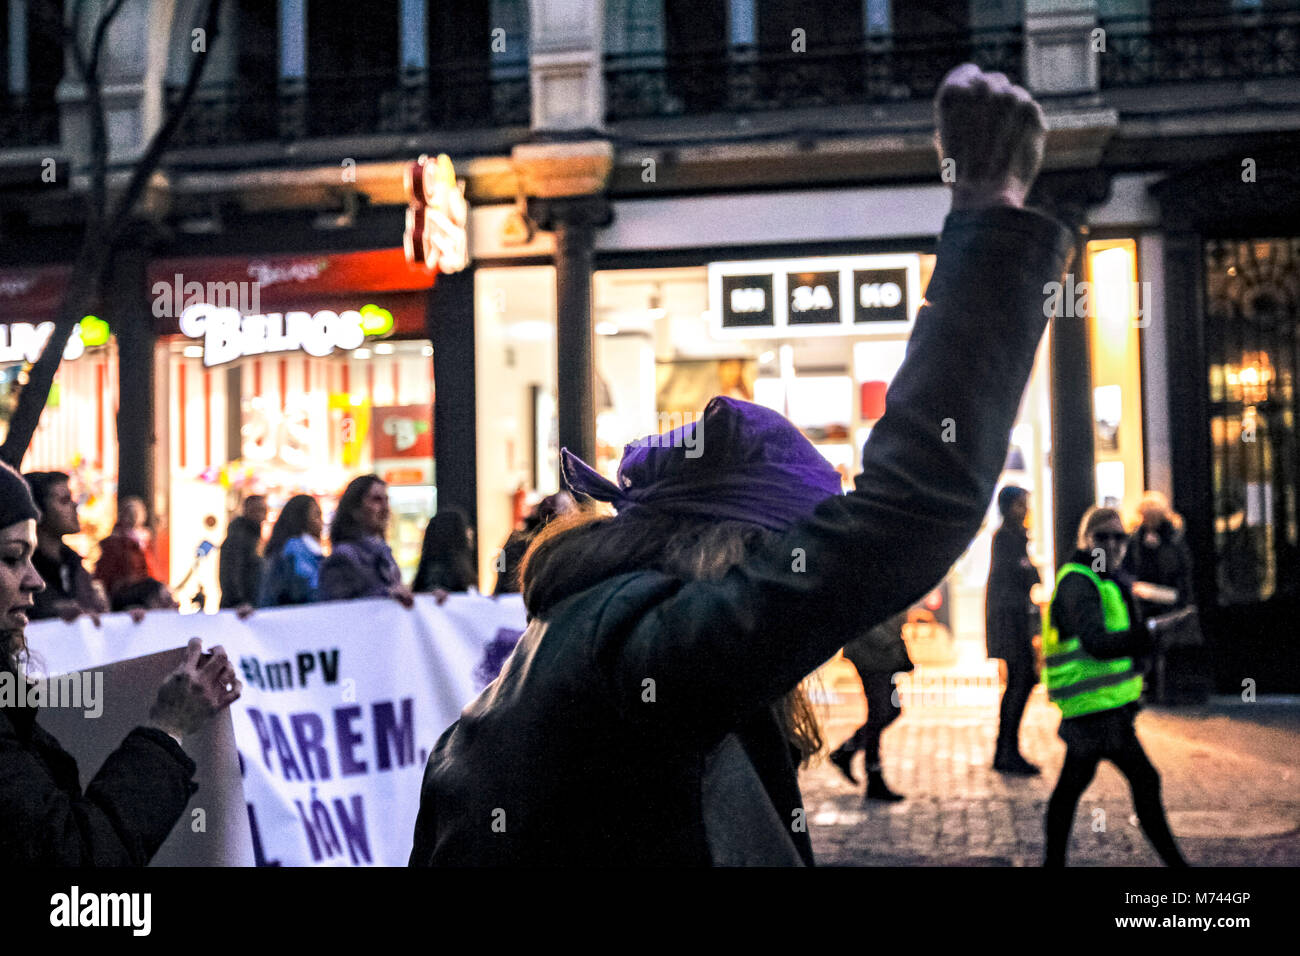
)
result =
(1093, 644)
(293, 555)
(125, 556)
(239, 569)
(69, 589)
(1007, 625)
(132, 804)
(1157, 553)
(652, 712)
(878, 656)
(360, 563)
(447, 555)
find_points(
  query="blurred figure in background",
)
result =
(877, 655)
(124, 556)
(240, 568)
(1007, 629)
(360, 564)
(69, 589)
(512, 554)
(447, 556)
(294, 554)
(147, 594)
(1158, 554)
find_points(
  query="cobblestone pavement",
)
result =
(1231, 780)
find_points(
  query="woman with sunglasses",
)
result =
(1093, 639)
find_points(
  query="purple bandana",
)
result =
(739, 462)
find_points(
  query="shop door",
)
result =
(1252, 321)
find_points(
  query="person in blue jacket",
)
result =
(293, 554)
(651, 714)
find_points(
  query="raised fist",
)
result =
(993, 132)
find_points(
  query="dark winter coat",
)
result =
(66, 579)
(1076, 611)
(363, 568)
(633, 724)
(122, 818)
(1169, 564)
(1007, 609)
(240, 568)
(880, 649)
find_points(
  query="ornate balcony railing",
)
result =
(356, 105)
(1243, 46)
(28, 121)
(748, 78)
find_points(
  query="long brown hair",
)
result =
(577, 551)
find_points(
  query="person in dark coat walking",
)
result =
(240, 567)
(1157, 553)
(131, 805)
(651, 712)
(447, 554)
(1095, 644)
(1007, 613)
(878, 655)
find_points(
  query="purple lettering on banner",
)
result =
(259, 855)
(348, 741)
(263, 736)
(354, 828)
(389, 731)
(309, 732)
(288, 764)
(313, 843)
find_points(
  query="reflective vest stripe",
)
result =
(1092, 683)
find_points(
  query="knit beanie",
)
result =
(16, 502)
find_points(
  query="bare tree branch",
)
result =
(97, 243)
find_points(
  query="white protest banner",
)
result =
(342, 703)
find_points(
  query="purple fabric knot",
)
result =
(739, 462)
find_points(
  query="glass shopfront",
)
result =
(329, 378)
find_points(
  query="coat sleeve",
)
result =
(1076, 612)
(716, 650)
(125, 815)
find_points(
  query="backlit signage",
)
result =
(833, 295)
(227, 335)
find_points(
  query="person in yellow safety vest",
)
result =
(1093, 641)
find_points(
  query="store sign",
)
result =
(25, 341)
(842, 295)
(227, 335)
(437, 217)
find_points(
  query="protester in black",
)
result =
(1007, 625)
(447, 555)
(69, 589)
(878, 655)
(650, 714)
(240, 567)
(1157, 553)
(127, 811)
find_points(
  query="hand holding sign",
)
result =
(990, 136)
(203, 686)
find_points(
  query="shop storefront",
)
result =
(288, 375)
(817, 334)
(77, 433)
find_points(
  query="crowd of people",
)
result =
(654, 712)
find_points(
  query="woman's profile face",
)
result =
(1110, 540)
(373, 512)
(315, 521)
(18, 578)
(1019, 511)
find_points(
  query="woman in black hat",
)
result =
(130, 807)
